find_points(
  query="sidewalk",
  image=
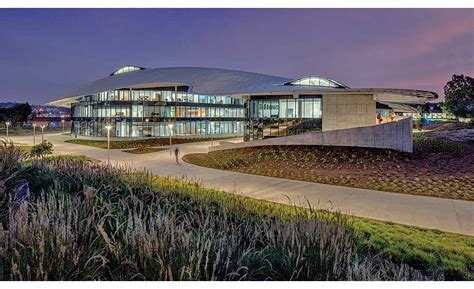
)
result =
(448, 215)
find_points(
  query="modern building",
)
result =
(50, 117)
(192, 101)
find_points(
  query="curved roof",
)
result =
(198, 79)
(215, 81)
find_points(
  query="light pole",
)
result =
(34, 134)
(8, 124)
(108, 127)
(42, 133)
(62, 120)
(147, 127)
(170, 125)
(212, 133)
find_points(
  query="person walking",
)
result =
(176, 154)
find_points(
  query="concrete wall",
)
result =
(392, 135)
(348, 111)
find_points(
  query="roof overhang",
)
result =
(214, 81)
(64, 102)
(399, 107)
(406, 96)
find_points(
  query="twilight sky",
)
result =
(47, 52)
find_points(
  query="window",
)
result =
(125, 69)
(308, 108)
(317, 81)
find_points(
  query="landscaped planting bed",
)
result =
(438, 168)
(83, 220)
(144, 150)
(128, 144)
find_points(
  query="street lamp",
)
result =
(170, 125)
(8, 124)
(147, 127)
(42, 133)
(34, 134)
(108, 127)
(212, 133)
(62, 120)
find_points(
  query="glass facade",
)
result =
(125, 69)
(318, 81)
(143, 113)
(270, 116)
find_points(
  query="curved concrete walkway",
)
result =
(435, 213)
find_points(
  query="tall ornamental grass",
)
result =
(87, 221)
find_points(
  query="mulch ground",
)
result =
(444, 174)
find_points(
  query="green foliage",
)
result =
(426, 145)
(139, 143)
(42, 149)
(144, 150)
(459, 95)
(444, 107)
(423, 249)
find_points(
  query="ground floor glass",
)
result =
(283, 115)
(127, 128)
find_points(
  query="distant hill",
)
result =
(7, 104)
(36, 106)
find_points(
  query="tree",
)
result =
(444, 107)
(459, 95)
(22, 111)
(17, 113)
(420, 110)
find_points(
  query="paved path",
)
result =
(444, 214)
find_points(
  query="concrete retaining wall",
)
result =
(348, 111)
(392, 135)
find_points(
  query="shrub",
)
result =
(42, 149)
(426, 145)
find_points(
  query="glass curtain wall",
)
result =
(270, 116)
(145, 113)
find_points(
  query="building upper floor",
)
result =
(219, 85)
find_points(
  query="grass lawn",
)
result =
(128, 144)
(145, 150)
(25, 148)
(424, 249)
(438, 168)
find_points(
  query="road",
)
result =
(448, 215)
